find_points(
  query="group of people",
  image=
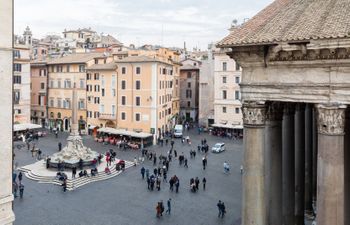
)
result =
(160, 208)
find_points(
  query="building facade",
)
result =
(189, 90)
(7, 216)
(39, 87)
(295, 88)
(227, 96)
(21, 86)
(206, 90)
(63, 73)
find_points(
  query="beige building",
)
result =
(39, 78)
(63, 73)
(21, 86)
(6, 70)
(227, 96)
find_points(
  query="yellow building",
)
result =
(63, 73)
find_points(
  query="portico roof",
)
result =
(293, 21)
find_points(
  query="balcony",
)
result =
(106, 116)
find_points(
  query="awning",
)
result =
(109, 130)
(227, 126)
(25, 126)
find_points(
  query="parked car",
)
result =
(218, 147)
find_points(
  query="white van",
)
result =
(178, 130)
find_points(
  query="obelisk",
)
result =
(74, 126)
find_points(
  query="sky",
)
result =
(164, 22)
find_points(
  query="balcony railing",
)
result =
(106, 116)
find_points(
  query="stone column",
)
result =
(330, 165)
(308, 159)
(254, 205)
(347, 167)
(299, 137)
(6, 118)
(273, 157)
(314, 154)
(288, 174)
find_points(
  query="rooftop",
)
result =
(140, 58)
(75, 58)
(293, 21)
(108, 66)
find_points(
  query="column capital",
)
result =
(254, 114)
(331, 119)
(275, 111)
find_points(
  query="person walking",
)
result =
(175, 153)
(74, 172)
(15, 189)
(196, 181)
(20, 176)
(21, 190)
(64, 185)
(241, 169)
(59, 146)
(154, 159)
(219, 205)
(158, 210)
(143, 170)
(172, 144)
(223, 210)
(169, 206)
(204, 162)
(39, 154)
(185, 163)
(147, 173)
(177, 184)
(204, 181)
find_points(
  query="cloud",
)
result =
(145, 21)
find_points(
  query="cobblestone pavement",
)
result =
(125, 199)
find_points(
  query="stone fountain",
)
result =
(75, 150)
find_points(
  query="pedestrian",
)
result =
(74, 172)
(56, 133)
(196, 181)
(172, 144)
(39, 154)
(169, 206)
(158, 183)
(20, 175)
(154, 160)
(185, 164)
(241, 169)
(147, 173)
(204, 162)
(161, 208)
(28, 145)
(166, 141)
(171, 183)
(21, 190)
(177, 184)
(204, 181)
(15, 189)
(135, 161)
(175, 153)
(64, 185)
(143, 170)
(226, 167)
(158, 209)
(223, 210)
(148, 183)
(219, 205)
(155, 171)
(59, 146)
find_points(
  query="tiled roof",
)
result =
(75, 58)
(293, 20)
(108, 66)
(140, 59)
(188, 67)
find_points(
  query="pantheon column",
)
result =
(273, 154)
(308, 158)
(299, 163)
(330, 165)
(254, 199)
(288, 167)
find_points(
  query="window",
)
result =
(138, 101)
(138, 70)
(188, 104)
(81, 104)
(67, 84)
(17, 79)
(224, 94)
(113, 92)
(138, 85)
(113, 81)
(81, 83)
(68, 68)
(16, 96)
(224, 66)
(189, 84)
(16, 54)
(160, 84)
(103, 81)
(51, 103)
(102, 108)
(17, 67)
(88, 76)
(123, 116)
(164, 71)
(97, 100)
(97, 88)
(123, 84)
(103, 92)
(51, 83)
(96, 61)
(177, 82)
(96, 76)
(59, 69)
(224, 80)
(58, 83)
(188, 75)
(237, 110)
(137, 116)
(224, 109)
(59, 103)
(188, 93)
(42, 72)
(237, 66)
(123, 70)
(171, 84)
(237, 80)
(42, 85)
(81, 68)
(123, 100)
(113, 110)
(68, 103)
(237, 95)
